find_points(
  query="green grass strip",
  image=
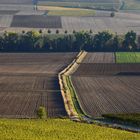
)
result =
(75, 99)
(127, 57)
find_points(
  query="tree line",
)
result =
(36, 41)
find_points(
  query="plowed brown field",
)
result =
(99, 58)
(107, 69)
(104, 95)
(106, 87)
(28, 81)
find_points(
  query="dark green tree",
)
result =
(101, 39)
(130, 41)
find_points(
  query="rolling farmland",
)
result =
(104, 95)
(54, 17)
(28, 81)
(104, 87)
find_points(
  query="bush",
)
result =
(49, 31)
(41, 113)
(112, 14)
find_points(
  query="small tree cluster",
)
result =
(41, 113)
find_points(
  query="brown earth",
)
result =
(28, 81)
(106, 87)
(108, 94)
(99, 57)
(106, 69)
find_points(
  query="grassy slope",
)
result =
(58, 129)
(61, 11)
(128, 57)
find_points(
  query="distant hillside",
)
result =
(97, 1)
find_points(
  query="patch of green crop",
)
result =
(59, 129)
(128, 57)
(71, 12)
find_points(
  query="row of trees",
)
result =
(37, 41)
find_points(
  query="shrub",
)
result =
(112, 14)
(49, 31)
(41, 112)
(66, 31)
(57, 31)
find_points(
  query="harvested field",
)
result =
(106, 69)
(104, 95)
(99, 58)
(28, 81)
(36, 21)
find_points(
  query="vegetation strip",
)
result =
(59, 129)
(65, 88)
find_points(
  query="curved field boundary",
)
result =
(65, 86)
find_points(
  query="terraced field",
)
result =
(28, 81)
(104, 87)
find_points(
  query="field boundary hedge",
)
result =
(65, 86)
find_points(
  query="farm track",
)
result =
(104, 87)
(27, 83)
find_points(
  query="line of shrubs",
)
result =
(37, 41)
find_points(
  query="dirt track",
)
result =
(28, 81)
